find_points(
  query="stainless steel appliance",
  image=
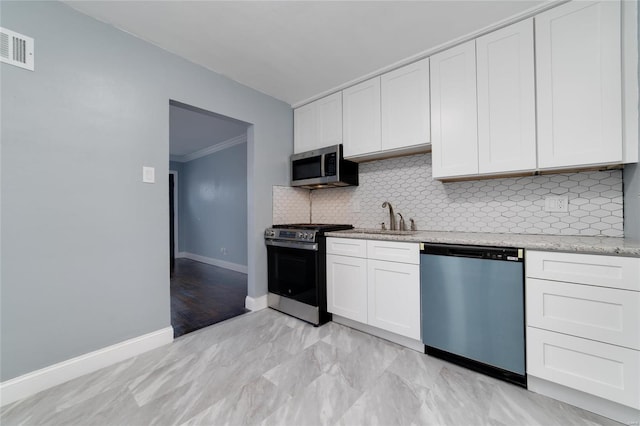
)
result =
(323, 168)
(296, 258)
(472, 308)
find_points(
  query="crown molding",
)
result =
(210, 150)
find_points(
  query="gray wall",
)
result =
(631, 178)
(84, 241)
(213, 205)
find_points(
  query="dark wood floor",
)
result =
(203, 294)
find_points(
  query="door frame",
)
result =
(175, 213)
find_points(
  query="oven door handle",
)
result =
(294, 245)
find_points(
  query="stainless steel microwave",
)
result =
(323, 168)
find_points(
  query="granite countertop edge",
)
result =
(576, 244)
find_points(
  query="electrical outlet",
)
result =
(556, 204)
(355, 206)
(223, 250)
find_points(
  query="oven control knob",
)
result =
(299, 234)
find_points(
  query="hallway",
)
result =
(203, 294)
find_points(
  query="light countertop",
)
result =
(583, 244)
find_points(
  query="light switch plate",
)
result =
(148, 174)
(556, 204)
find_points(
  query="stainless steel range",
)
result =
(297, 270)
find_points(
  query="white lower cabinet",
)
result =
(608, 371)
(393, 297)
(608, 315)
(380, 293)
(583, 324)
(347, 287)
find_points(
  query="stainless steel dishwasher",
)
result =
(472, 308)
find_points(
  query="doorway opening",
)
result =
(208, 217)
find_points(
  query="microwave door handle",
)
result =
(322, 158)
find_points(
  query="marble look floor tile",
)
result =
(346, 338)
(247, 406)
(301, 337)
(294, 375)
(269, 368)
(219, 381)
(417, 367)
(513, 405)
(366, 361)
(458, 398)
(427, 416)
(323, 402)
(160, 380)
(390, 401)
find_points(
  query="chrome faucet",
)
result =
(392, 216)
(401, 225)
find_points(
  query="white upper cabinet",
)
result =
(578, 67)
(454, 120)
(405, 106)
(389, 114)
(506, 100)
(304, 128)
(361, 118)
(318, 124)
(329, 120)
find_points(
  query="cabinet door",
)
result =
(304, 128)
(394, 297)
(506, 100)
(329, 123)
(405, 106)
(454, 120)
(578, 66)
(361, 118)
(347, 287)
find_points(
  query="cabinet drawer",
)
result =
(347, 247)
(393, 251)
(600, 369)
(604, 271)
(603, 314)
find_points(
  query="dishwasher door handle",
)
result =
(466, 253)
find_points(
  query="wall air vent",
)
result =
(16, 49)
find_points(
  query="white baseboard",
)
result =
(255, 303)
(407, 342)
(215, 262)
(31, 383)
(620, 413)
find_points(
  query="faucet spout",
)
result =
(392, 216)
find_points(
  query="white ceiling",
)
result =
(192, 130)
(295, 50)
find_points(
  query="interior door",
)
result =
(172, 242)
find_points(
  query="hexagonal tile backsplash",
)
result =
(290, 205)
(505, 205)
